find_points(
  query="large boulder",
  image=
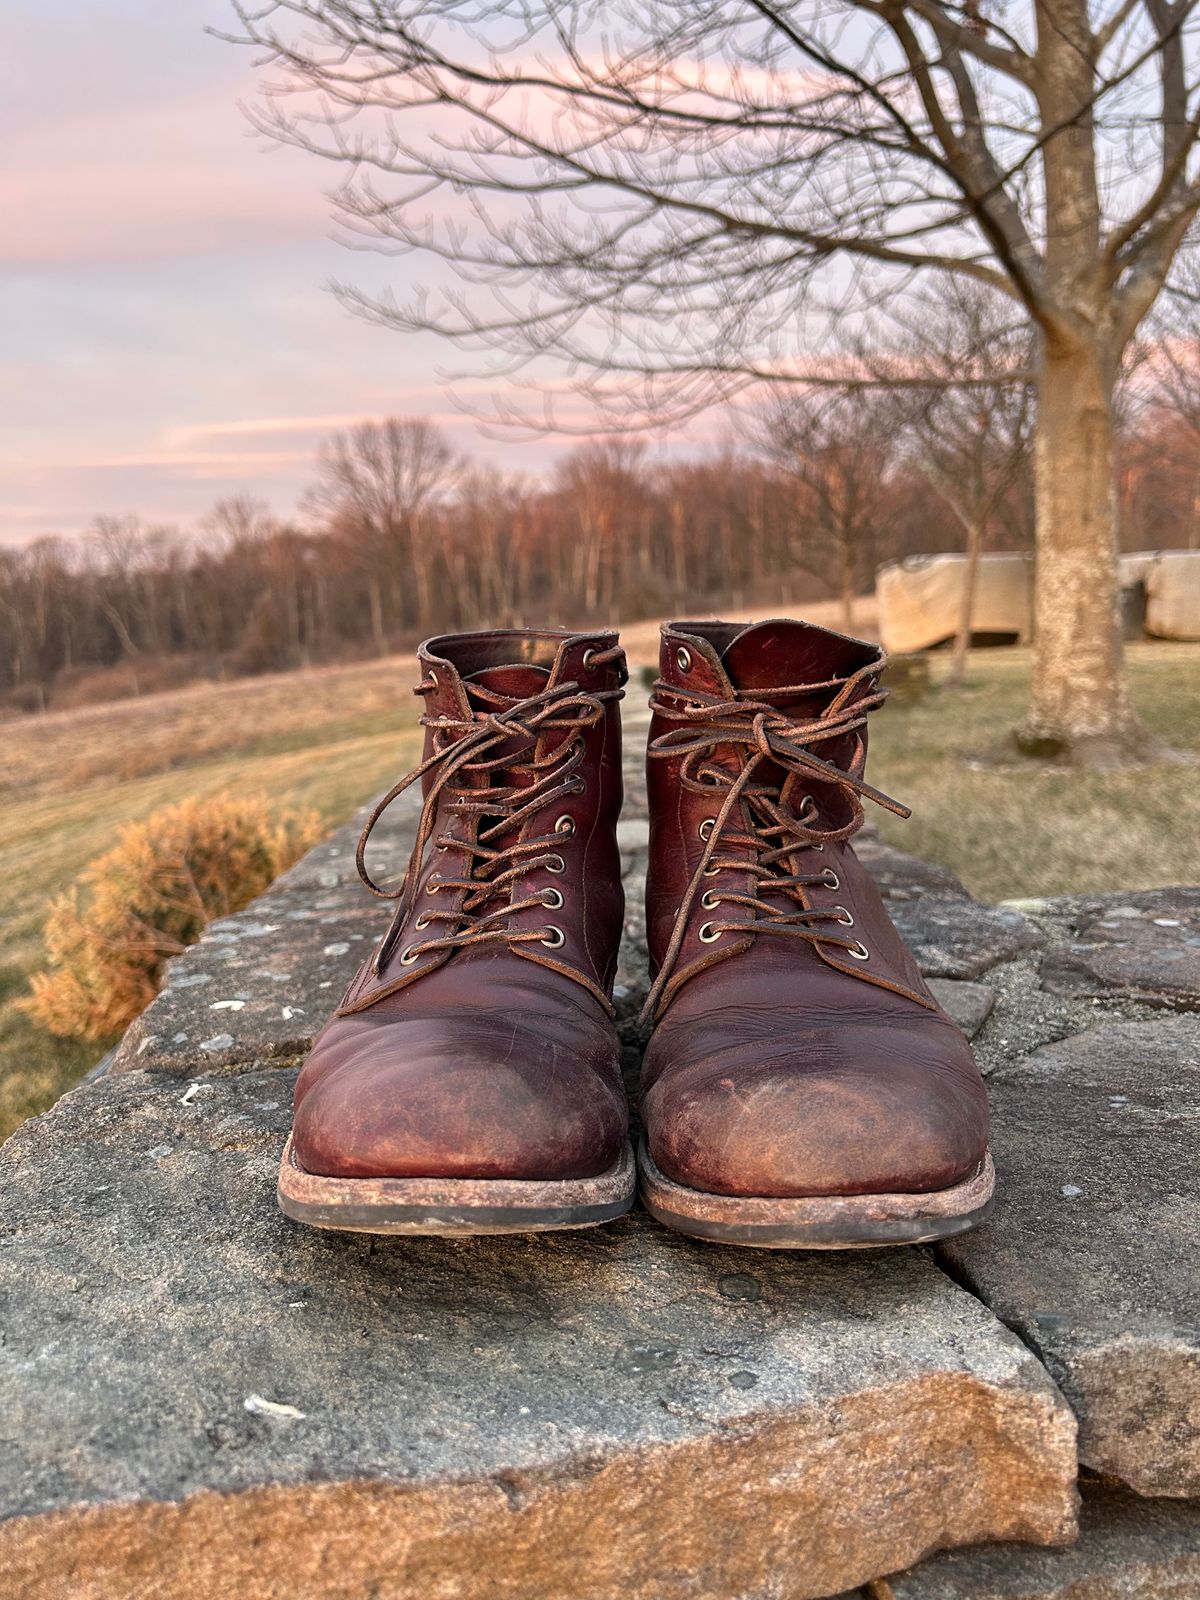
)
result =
(1173, 595)
(920, 599)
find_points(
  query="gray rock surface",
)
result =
(955, 937)
(1146, 947)
(967, 1004)
(1093, 1254)
(200, 1398)
(1128, 1549)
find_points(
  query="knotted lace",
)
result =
(768, 831)
(473, 757)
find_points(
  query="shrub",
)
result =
(150, 896)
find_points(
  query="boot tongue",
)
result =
(515, 682)
(772, 655)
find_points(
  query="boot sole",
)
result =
(454, 1208)
(819, 1222)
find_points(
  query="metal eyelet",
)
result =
(555, 903)
(433, 883)
(807, 806)
(846, 920)
(422, 921)
(858, 950)
(830, 879)
(433, 677)
(556, 937)
(683, 659)
(551, 863)
(565, 824)
(711, 872)
(706, 828)
(708, 934)
(409, 956)
(588, 657)
(709, 900)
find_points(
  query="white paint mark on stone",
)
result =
(257, 1406)
(1070, 1190)
(159, 1151)
(192, 1090)
(328, 984)
(147, 1043)
(1118, 1099)
(179, 1038)
(219, 1041)
(338, 949)
(227, 1005)
(1167, 922)
(292, 1011)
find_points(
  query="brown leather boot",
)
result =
(470, 1080)
(802, 1086)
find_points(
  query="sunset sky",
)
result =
(166, 335)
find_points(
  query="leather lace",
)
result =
(490, 745)
(773, 833)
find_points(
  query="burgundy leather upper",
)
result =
(495, 1056)
(785, 1062)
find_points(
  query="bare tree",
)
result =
(675, 197)
(377, 482)
(971, 443)
(837, 449)
(601, 486)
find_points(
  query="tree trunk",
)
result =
(966, 611)
(1079, 706)
(846, 570)
(375, 599)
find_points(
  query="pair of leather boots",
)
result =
(801, 1086)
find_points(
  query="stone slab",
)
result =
(199, 1398)
(967, 1004)
(1093, 1253)
(1129, 1549)
(955, 937)
(258, 986)
(1146, 948)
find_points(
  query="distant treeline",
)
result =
(400, 538)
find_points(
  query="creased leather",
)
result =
(782, 1066)
(495, 1059)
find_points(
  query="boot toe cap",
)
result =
(452, 1101)
(884, 1113)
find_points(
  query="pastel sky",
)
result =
(166, 336)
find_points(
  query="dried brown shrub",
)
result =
(148, 898)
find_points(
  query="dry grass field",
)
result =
(329, 738)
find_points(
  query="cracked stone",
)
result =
(1129, 1549)
(1092, 1254)
(1149, 952)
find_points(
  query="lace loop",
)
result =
(754, 732)
(481, 750)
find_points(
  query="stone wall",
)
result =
(200, 1399)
